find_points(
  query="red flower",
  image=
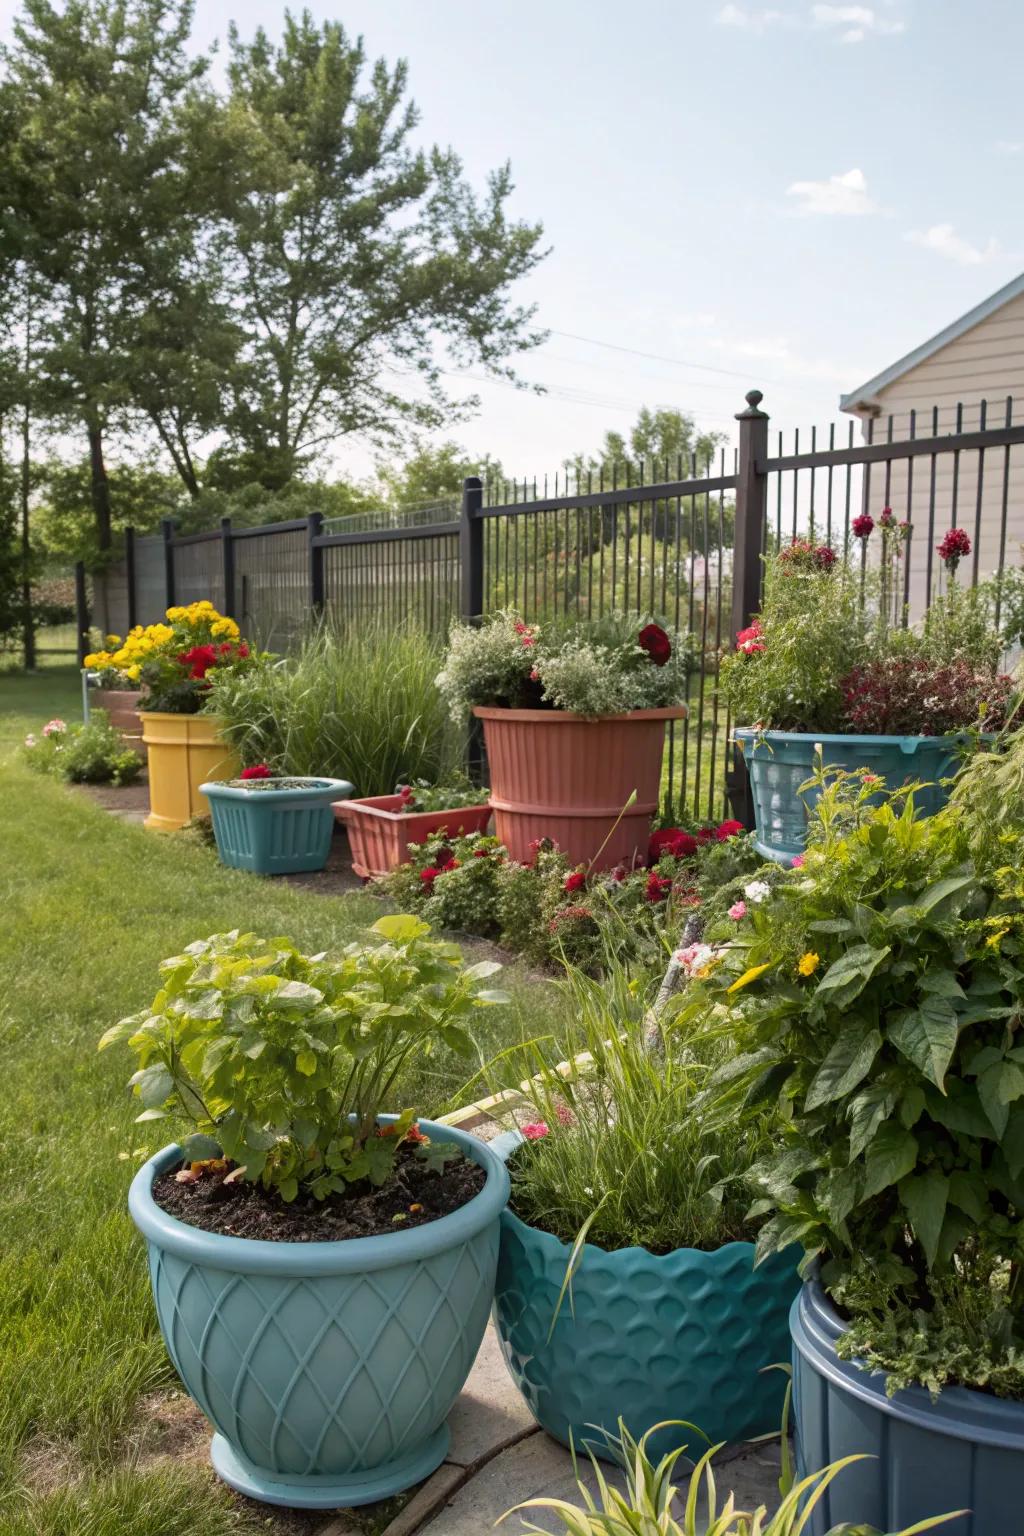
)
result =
(804, 553)
(199, 660)
(415, 1134)
(429, 875)
(243, 650)
(619, 874)
(886, 517)
(447, 865)
(673, 840)
(405, 793)
(257, 771)
(705, 835)
(729, 829)
(534, 676)
(575, 882)
(658, 886)
(953, 548)
(481, 853)
(825, 557)
(862, 526)
(750, 640)
(653, 639)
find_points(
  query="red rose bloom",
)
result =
(862, 526)
(257, 771)
(673, 840)
(953, 548)
(653, 639)
(729, 829)
(199, 660)
(575, 882)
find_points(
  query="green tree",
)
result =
(664, 443)
(98, 198)
(432, 474)
(358, 265)
(141, 493)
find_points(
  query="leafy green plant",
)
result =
(357, 704)
(424, 796)
(650, 1503)
(283, 1062)
(615, 1146)
(83, 754)
(878, 991)
(610, 665)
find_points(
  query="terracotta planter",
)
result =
(567, 777)
(122, 709)
(379, 831)
(184, 751)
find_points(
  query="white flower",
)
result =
(30, 741)
(757, 890)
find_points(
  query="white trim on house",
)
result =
(863, 399)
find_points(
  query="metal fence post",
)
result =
(81, 612)
(314, 529)
(227, 545)
(167, 530)
(471, 550)
(748, 548)
(129, 576)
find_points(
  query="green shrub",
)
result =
(83, 754)
(283, 1062)
(357, 704)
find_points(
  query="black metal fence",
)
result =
(683, 541)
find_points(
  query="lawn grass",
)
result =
(91, 905)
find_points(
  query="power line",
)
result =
(680, 362)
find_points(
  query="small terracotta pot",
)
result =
(568, 777)
(379, 831)
(122, 709)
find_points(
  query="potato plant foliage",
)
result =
(283, 1061)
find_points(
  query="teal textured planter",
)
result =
(965, 1451)
(326, 1369)
(686, 1335)
(274, 831)
(780, 761)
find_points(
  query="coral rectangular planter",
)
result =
(122, 710)
(282, 831)
(379, 831)
(684, 1335)
(566, 776)
(780, 761)
(965, 1451)
(326, 1369)
(184, 752)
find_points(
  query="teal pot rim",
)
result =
(353, 1255)
(686, 1259)
(319, 789)
(907, 744)
(958, 1412)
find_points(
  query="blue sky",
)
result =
(792, 193)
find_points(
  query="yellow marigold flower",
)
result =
(808, 963)
(174, 613)
(133, 672)
(112, 641)
(93, 660)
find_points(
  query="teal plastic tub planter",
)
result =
(274, 831)
(963, 1451)
(780, 761)
(326, 1369)
(685, 1335)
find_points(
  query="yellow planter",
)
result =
(184, 752)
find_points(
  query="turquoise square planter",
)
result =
(780, 761)
(274, 831)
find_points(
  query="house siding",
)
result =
(986, 363)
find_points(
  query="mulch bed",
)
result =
(248, 1210)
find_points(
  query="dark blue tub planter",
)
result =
(327, 1369)
(277, 830)
(780, 761)
(685, 1335)
(965, 1451)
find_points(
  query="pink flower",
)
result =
(798, 861)
(30, 740)
(738, 910)
(535, 1130)
(872, 778)
(564, 1114)
(54, 728)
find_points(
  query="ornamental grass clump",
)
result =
(877, 992)
(356, 704)
(606, 666)
(616, 1148)
(282, 1063)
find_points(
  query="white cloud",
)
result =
(944, 241)
(1009, 146)
(745, 20)
(854, 23)
(846, 193)
(784, 359)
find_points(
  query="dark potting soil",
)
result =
(248, 1210)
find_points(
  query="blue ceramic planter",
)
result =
(274, 831)
(687, 1335)
(965, 1451)
(326, 1369)
(780, 761)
